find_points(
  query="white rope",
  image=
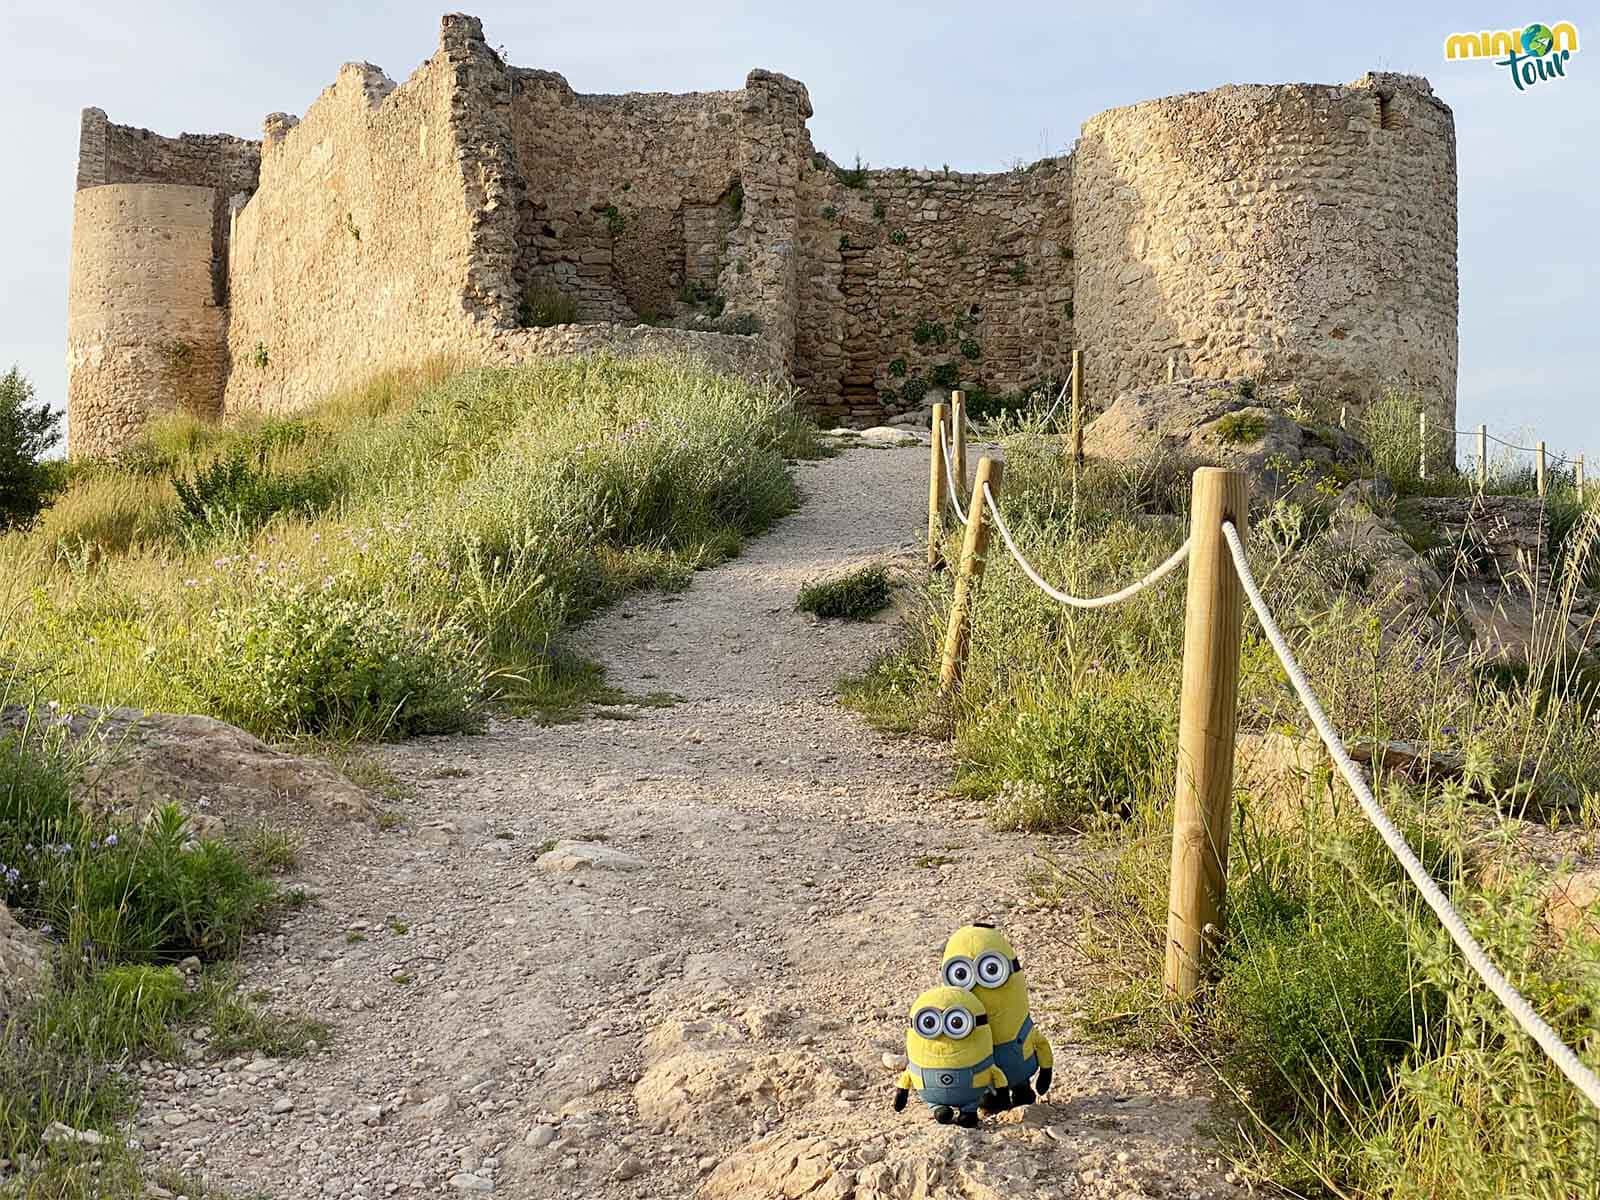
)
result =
(1560, 1053)
(1061, 397)
(1133, 589)
(950, 480)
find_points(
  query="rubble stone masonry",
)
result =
(490, 213)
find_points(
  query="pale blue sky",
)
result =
(970, 85)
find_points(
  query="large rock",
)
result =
(24, 964)
(1572, 902)
(1399, 576)
(137, 761)
(1214, 423)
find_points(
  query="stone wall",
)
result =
(354, 255)
(109, 153)
(917, 281)
(1296, 233)
(619, 187)
(145, 334)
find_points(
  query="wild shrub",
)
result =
(1390, 429)
(123, 901)
(544, 306)
(28, 428)
(854, 596)
(237, 494)
(307, 659)
(1067, 758)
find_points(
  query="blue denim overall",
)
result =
(950, 1086)
(1008, 1055)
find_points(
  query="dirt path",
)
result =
(700, 995)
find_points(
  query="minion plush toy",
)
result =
(979, 959)
(950, 1056)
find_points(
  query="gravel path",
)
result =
(698, 995)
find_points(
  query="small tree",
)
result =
(27, 429)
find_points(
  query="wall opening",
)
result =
(1388, 115)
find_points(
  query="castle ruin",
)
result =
(489, 213)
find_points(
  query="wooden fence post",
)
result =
(1538, 468)
(936, 487)
(1483, 458)
(1077, 406)
(1422, 444)
(1344, 414)
(974, 548)
(1578, 478)
(958, 440)
(1207, 721)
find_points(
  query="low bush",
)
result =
(1243, 427)
(235, 495)
(854, 596)
(299, 659)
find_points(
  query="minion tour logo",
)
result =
(1532, 54)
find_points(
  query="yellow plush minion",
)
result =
(950, 1056)
(980, 960)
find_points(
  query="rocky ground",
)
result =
(669, 952)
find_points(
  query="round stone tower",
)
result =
(145, 334)
(1297, 233)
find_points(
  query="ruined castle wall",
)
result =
(145, 334)
(649, 206)
(919, 281)
(110, 153)
(630, 197)
(1297, 233)
(355, 253)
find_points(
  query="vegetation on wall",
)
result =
(542, 306)
(852, 177)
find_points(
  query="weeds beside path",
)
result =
(665, 949)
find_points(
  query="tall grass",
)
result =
(385, 563)
(1356, 1053)
(120, 904)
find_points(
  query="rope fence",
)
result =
(1220, 584)
(1543, 457)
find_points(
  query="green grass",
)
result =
(854, 596)
(121, 904)
(390, 561)
(1355, 1053)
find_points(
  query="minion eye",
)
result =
(993, 970)
(957, 1022)
(958, 973)
(926, 1021)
